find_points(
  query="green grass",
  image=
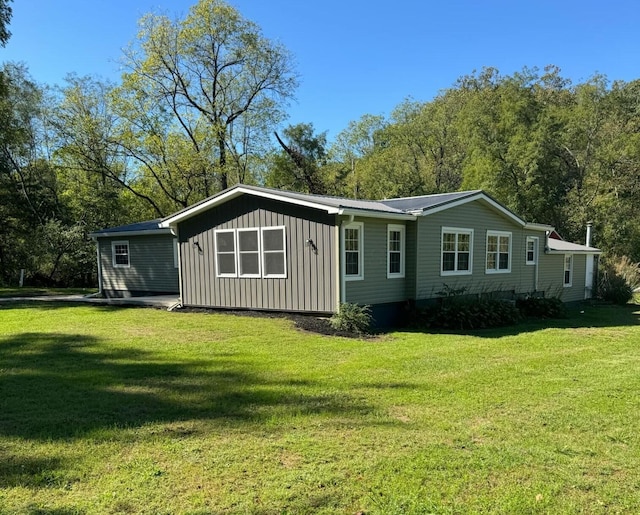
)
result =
(125, 410)
(29, 291)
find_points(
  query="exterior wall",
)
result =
(481, 217)
(375, 287)
(151, 267)
(552, 277)
(311, 277)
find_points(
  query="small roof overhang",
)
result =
(565, 247)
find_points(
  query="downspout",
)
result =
(174, 230)
(99, 266)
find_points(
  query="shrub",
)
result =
(618, 279)
(468, 314)
(542, 307)
(352, 318)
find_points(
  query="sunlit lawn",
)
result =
(123, 410)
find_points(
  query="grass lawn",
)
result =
(125, 410)
(29, 291)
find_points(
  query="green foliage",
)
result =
(618, 278)
(352, 318)
(542, 307)
(468, 313)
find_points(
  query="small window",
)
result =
(395, 251)
(568, 270)
(457, 251)
(248, 253)
(532, 250)
(352, 252)
(226, 253)
(498, 252)
(120, 253)
(274, 256)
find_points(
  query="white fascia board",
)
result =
(477, 196)
(574, 251)
(539, 227)
(121, 234)
(375, 214)
(233, 193)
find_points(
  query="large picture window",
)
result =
(395, 251)
(498, 252)
(457, 251)
(352, 236)
(120, 254)
(274, 256)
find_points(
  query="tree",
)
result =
(198, 100)
(5, 18)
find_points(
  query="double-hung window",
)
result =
(532, 250)
(248, 253)
(568, 270)
(274, 256)
(498, 252)
(120, 254)
(226, 253)
(352, 257)
(395, 251)
(457, 251)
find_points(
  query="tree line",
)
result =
(199, 106)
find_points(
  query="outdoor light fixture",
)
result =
(196, 244)
(309, 243)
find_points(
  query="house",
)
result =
(251, 247)
(137, 259)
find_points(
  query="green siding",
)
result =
(151, 267)
(480, 217)
(375, 287)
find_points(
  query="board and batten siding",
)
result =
(151, 266)
(376, 287)
(311, 281)
(480, 217)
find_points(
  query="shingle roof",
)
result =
(146, 227)
(565, 246)
(426, 202)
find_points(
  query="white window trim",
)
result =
(536, 243)
(456, 230)
(113, 253)
(360, 227)
(283, 251)
(402, 230)
(240, 252)
(564, 269)
(497, 270)
(235, 252)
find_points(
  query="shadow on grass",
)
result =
(587, 315)
(59, 386)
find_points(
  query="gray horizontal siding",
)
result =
(151, 267)
(375, 287)
(311, 282)
(479, 216)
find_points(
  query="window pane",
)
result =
(226, 263)
(274, 263)
(448, 242)
(492, 244)
(463, 242)
(448, 261)
(351, 263)
(248, 240)
(504, 261)
(491, 261)
(463, 261)
(249, 264)
(394, 263)
(394, 241)
(273, 239)
(504, 244)
(224, 242)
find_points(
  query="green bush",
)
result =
(618, 279)
(468, 314)
(542, 307)
(352, 318)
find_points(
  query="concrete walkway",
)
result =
(157, 301)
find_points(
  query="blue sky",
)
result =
(354, 57)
